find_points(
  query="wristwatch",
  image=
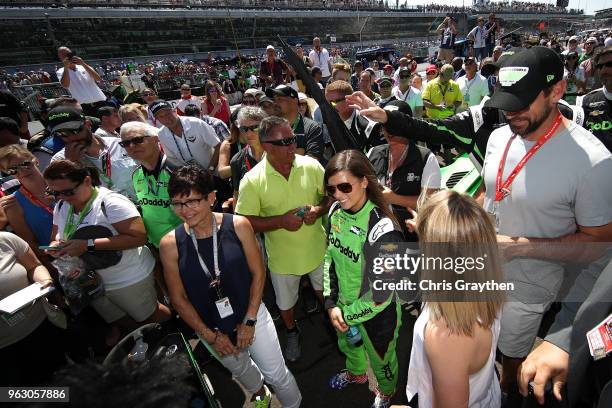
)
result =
(250, 322)
(91, 247)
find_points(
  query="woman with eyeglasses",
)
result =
(215, 276)
(367, 322)
(215, 104)
(303, 107)
(84, 209)
(31, 213)
(150, 96)
(573, 73)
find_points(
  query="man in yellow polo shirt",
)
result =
(283, 197)
(442, 96)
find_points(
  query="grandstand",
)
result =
(113, 29)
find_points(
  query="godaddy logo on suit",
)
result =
(363, 313)
(346, 251)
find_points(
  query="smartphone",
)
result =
(50, 247)
(301, 212)
(70, 55)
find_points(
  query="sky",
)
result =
(589, 6)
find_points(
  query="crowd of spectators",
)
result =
(188, 208)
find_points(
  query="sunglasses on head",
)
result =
(69, 132)
(26, 164)
(343, 187)
(283, 142)
(244, 129)
(66, 193)
(135, 140)
(604, 64)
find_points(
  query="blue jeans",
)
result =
(480, 53)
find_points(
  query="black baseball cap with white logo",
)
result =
(65, 118)
(282, 90)
(158, 105)
(524, 73)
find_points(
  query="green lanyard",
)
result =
(70, 227)
(296, 123)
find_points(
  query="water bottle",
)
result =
(139, 351)
(354, 337)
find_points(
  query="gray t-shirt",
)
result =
(14, 277)
(565, 184)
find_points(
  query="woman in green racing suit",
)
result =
(367, 322)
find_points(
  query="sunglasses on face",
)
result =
(431, 73)
(68, 132)
(66, 193)
(283, 142)
(135, 140)
(337, 101)
(384, 86)
(343, 187)
(11, 171)
(244, 129)
(191, 204)
(604, 64)
(148, 94)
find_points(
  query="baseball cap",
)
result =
(256, 93)
(282, 90)
(65, 118)
(523, 75)
(385, 79)
(399, 106)
(469, 59)
(573, 38)
(431, 68)
(302, 96)
(591, 40)
(158, 105)
(388, 66)
(404, 70)
(269, 47)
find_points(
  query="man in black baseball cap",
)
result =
(308, 132)
(524, 74)
(65, 118)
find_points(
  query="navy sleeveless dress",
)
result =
(235, 275)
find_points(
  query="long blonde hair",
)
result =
(453, 225)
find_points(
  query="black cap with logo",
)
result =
(65, 118)
(282, 90)
(523, 75)
(158, 105)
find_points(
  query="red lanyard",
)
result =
(246, 159)
(502, 190)
(106, 165)
(35, 200)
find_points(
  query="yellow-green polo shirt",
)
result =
(433, 93)
(264, 192)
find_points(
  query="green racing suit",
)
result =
(377, 315)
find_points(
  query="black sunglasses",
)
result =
(404, 76)
(244, 129)
(66, 193)
(148, 94)
(69, 132)
(604, 64)
(343, 187)
(135, 140)
(11, 171)
(283, 142)
(385, 85)
(337, 101)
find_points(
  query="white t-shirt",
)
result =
(121, 169)
(183, 103)
(479, 36)
(103, 133)
(412, 97)
(14, 277)
(321, 60)
(196, 144)
(431, 177)
(82, 86)
(136, 263)
(473, 90)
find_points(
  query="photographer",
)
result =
(80, 79)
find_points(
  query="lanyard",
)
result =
(213, 282)
(107, 170)
(186, 144)
(503, 189)
(35, 200)
(296, 123)
(443, 93)
(247, 154)
(70, 227)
